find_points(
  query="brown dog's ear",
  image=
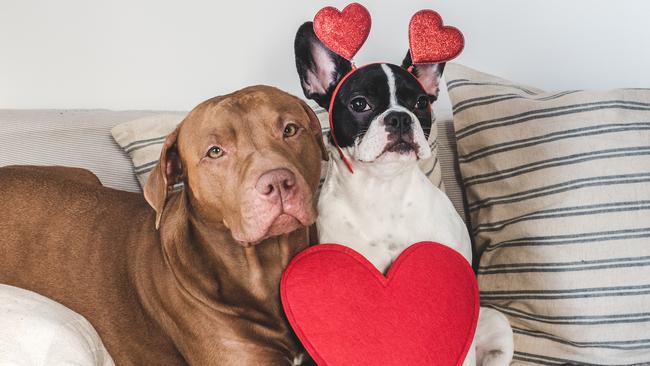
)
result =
(167, 172)
(316, 129)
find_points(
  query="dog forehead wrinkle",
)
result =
(222, 121)
(213, 126)
(292, 113)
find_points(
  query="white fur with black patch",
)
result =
(371, 146)
(388, 204)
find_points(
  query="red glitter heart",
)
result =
(343, 32)
(432, 42)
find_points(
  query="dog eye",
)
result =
(422, 103)
(290, 129)
(359, 104)
(215, 152)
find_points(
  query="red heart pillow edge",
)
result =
(384, 280)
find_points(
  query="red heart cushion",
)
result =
(346, 312)
(431, 42)
(343, 32)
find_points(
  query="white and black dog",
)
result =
(382, 117)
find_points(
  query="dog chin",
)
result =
(398, 152)
(282, 224)
(394, 156)
(401, 151)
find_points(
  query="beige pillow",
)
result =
(558, 190)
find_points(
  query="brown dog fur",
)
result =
(188, 293)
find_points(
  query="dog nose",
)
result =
(276, 183)
(398, 122)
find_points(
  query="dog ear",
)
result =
(427, 74)
(167, 172)
(319, 68)
(316, 130)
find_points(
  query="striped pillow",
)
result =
(558, 191)
(142, 140)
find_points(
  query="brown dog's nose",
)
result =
(276, 183)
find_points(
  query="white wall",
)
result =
(153, 54)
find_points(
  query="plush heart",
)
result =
(346, 312)
(343, 32)
(430, 41)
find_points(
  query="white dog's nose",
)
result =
(398, 122)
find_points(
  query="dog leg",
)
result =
(494, 342)
(470, 359)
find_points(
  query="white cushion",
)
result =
(35, 330)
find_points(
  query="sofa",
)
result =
(554, 187)
(83, 139)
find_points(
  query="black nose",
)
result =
(398, 122)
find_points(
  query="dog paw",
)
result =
(494, 341)
(495, 357)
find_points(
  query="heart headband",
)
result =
(345, 32)
(430, 42)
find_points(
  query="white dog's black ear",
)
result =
(427, 74)
(319, 68)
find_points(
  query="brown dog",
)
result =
(204, 288)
